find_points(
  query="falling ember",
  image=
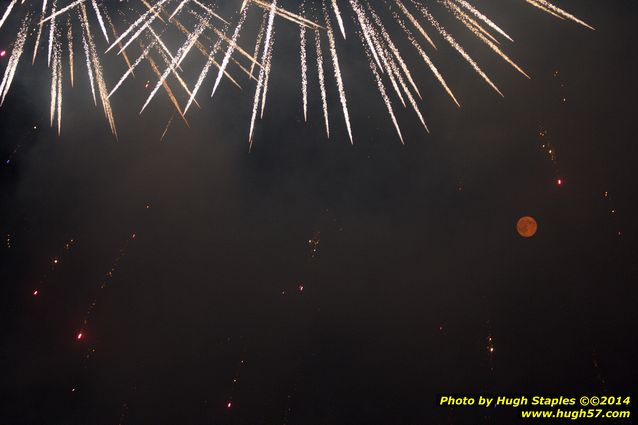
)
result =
(3, 53)
(559, 182)
(79, 336)
(35, 293)
(229, 405)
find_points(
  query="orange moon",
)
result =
(526, 226)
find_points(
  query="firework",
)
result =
(143, 26)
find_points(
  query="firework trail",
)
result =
(87, 56)
(544, 4)
(260, 36)
(380, 86)
(69, 37)
(304, 68)
(51, 34)
(262, 71)
(231, 47)
(335, 7)
(337, 70)
(483, 18)
(100, 19)
(426, 13)
(267, 66)
(479, 32)
(14, 60)
(202, 75)
(7, 12)
(397, 72)
(425, 58)
(322, 81)
(415, 22)
(97, 70)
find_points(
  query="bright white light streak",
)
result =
(231, 48)
(322, 81)
(337, 71)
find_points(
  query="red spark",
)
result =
(3, 53)
(300, 288)
(35, 293)
(229, 405)
(80, 336)
(559, 182)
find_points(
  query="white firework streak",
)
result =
(395, 51)
(54, 79)
(377, 47)
(365, 28)
(231, 48)
(65, 9)
(210, 11)
(415, 22)
(69, 36)
(262, 70)
(483, 18)
(560, 12)
(304, 70)
(202, 75)
(337, 71)
(99, 19)
(396, 70)
(51, 34)
(181, 54)
(59, 89)
(426, 13)
(322, 81)
(14, 59)
(87, 55)
(97, 68)
(384, 95)
(260, 36)
(475, 29)
(267, 74)
(292, 17)
(7, 12)
(135, 24)
(335, 7)
(39, 34)
(388, 65)
(54, 87)
(178, 8)
(425, 58)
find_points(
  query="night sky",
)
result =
(311, 281)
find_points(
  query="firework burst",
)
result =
(385, 29)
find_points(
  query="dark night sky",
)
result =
(412, 275)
